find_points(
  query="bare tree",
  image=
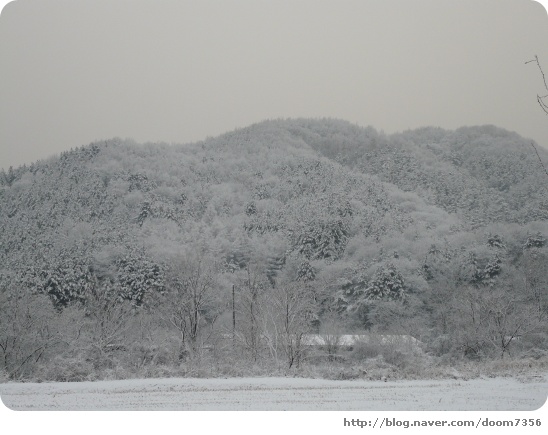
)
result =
(293, 309)
(106, 319)
(330, 333)
(535, 280)
(27, 331)
(488, 319)
(253, 283)
(191, 301)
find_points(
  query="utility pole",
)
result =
(233, 317)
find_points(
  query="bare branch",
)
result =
(540, 160)
(540, 99)
(540, 68)
(542, 104)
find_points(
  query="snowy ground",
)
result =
(279, 394)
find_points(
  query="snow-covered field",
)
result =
(278, 394)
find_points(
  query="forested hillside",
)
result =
(313, 225)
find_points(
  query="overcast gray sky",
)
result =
(72, 72)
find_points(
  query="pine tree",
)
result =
(387, 284)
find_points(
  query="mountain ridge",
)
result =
(346, 200)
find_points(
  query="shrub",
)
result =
(61, 369)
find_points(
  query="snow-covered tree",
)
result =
(387, 284)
